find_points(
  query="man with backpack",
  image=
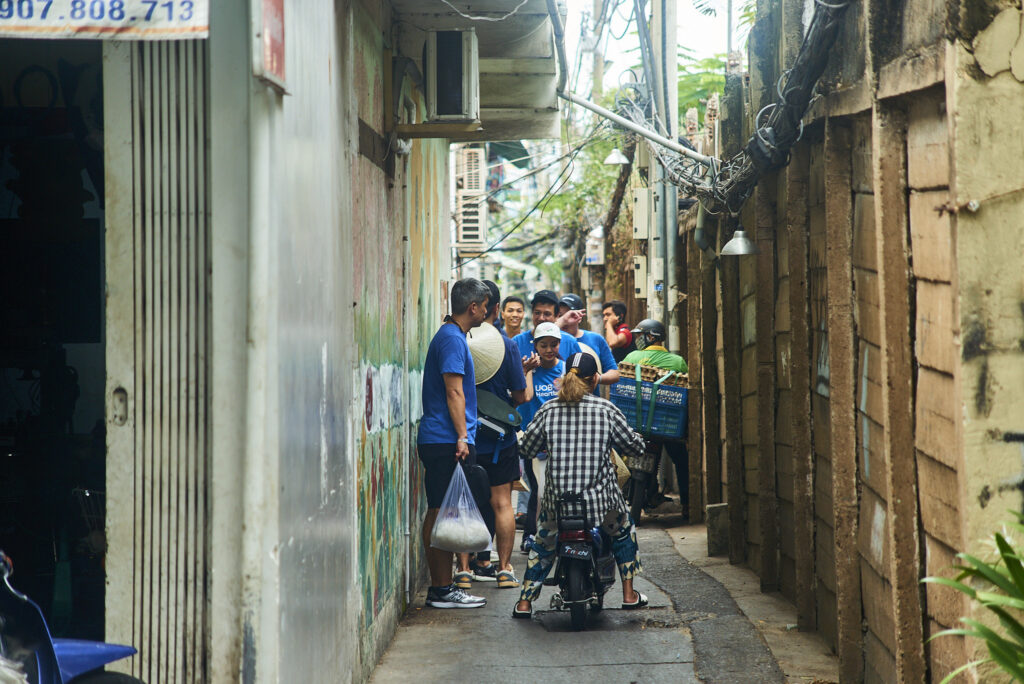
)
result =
(500, 373)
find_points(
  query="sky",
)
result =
(705, 36)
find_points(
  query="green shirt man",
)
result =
(657, 356)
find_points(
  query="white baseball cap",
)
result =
(546, 329)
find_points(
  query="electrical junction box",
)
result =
(595, 252)
(453, 76)
(640, 277)
(641, 213)
(585, 279)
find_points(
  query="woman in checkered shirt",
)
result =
(577, 431)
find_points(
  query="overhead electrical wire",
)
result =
(725, 185)
(481, 18)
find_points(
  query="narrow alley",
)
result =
(745, 275)
(692, 631)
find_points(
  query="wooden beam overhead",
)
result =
(519, 66)
(436, 130)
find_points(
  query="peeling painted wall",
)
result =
(400, 254)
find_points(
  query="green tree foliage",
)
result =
(698, 80)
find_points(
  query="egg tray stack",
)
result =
(627, 371)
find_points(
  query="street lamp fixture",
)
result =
(616, 158)
(739, 245)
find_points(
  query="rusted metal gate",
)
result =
(157, 338)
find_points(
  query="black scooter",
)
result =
(29, 654)
(584, 566)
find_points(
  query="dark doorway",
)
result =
(52, 441)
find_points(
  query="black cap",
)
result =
(543, 296)
(573, 301)
(583, 363)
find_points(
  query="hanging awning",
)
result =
(512, 151)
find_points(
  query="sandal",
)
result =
(641, 601)
(522, 614)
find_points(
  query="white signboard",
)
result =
(106, 19)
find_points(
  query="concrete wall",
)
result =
(881, 329)
(327, 290)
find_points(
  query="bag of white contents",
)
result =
(459, 526)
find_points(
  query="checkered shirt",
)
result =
(578, 438)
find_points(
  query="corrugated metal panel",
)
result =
(169, 460)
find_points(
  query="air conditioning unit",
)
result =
(452, 75)
(471, 200)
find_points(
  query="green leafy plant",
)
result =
(999, 587)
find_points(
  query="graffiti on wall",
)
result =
(399, 252)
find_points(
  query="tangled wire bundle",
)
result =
(725, 186)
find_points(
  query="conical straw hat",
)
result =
(488, 350)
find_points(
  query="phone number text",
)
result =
(48, 11)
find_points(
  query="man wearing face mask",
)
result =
(649, 336)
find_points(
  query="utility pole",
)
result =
(655, 172)
(595, 293)
(663, 288)
(670, 215)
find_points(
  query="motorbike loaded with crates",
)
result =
(584, 564)
(29, 654)
(655, 403)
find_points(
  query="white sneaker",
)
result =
(453, 597)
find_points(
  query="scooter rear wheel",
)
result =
(576, 590)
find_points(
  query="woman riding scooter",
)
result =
(577, 430)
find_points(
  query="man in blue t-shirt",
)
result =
(543, 308)
(499, 457)
(589, 341)
(448, 427)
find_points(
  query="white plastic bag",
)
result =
(459, 526)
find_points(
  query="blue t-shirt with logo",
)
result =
(600, 345)
(448, 353)
(544, 389)
(509, 377)
(566, 348)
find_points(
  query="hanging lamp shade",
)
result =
(739, 245)
(616, 158)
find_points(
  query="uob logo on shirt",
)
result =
(545, 390)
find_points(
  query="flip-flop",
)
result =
(641, 601)
(522, 614)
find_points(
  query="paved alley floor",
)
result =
(691, 632)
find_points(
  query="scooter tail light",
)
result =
(574, 535)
